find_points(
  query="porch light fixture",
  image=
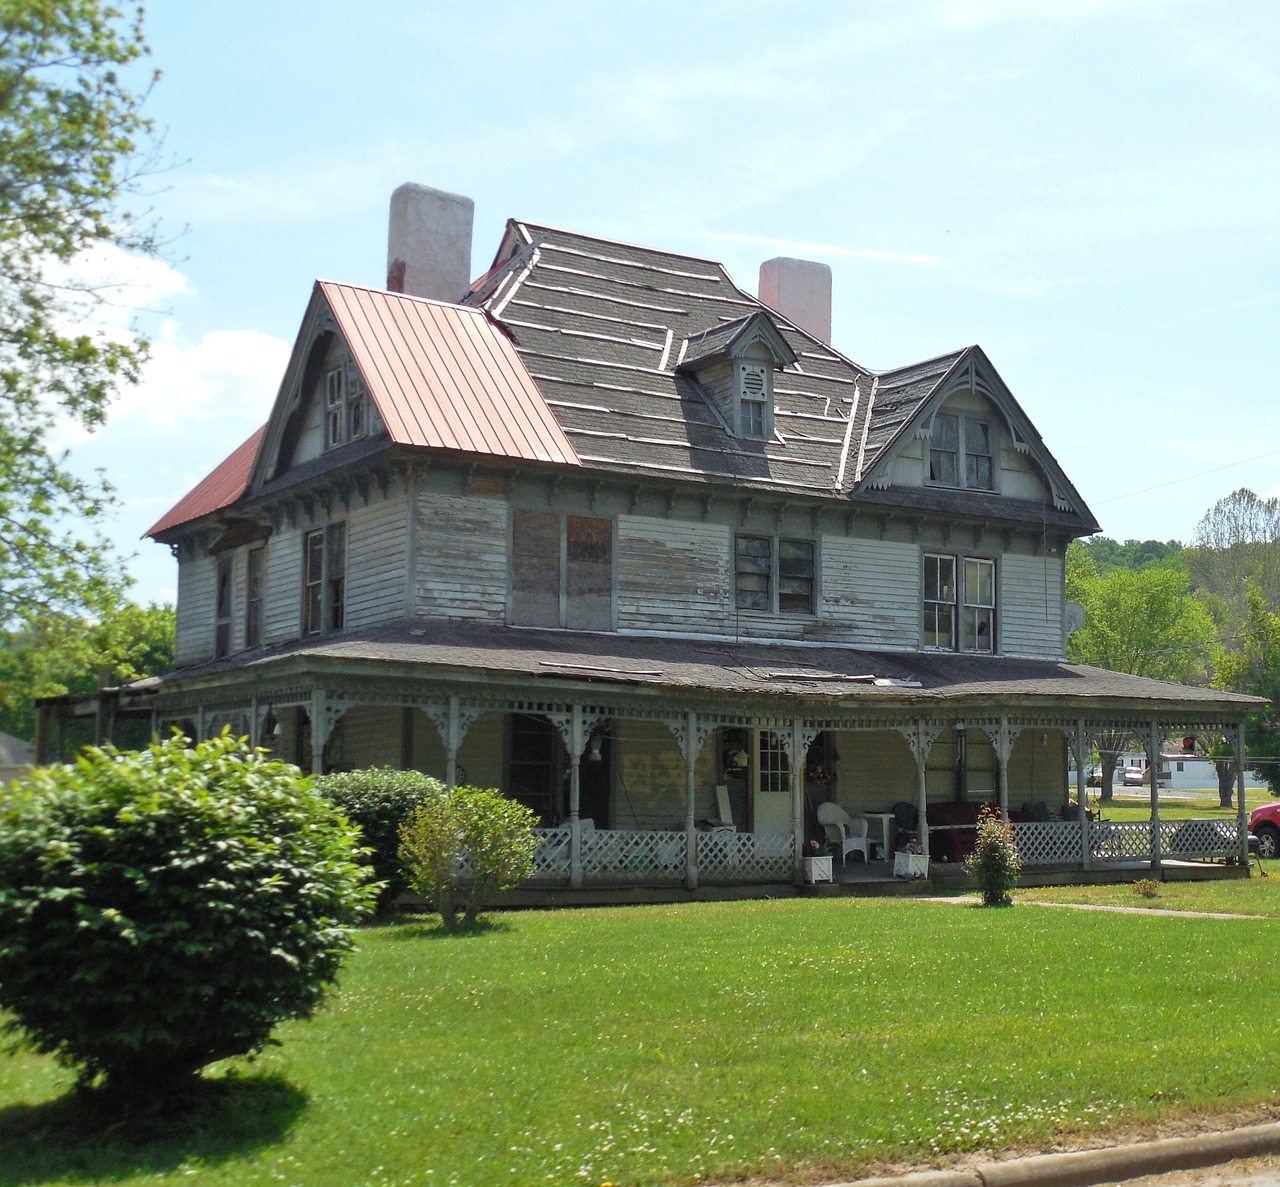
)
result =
(593, 751)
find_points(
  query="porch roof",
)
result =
(718, 667)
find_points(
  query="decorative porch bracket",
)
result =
(325, 714)
(920, 736)
(1002, 737)
(452, 720)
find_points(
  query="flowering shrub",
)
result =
(994, 863)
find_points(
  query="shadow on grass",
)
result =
(74, 1138)
(424, 928)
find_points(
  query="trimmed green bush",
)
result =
(166, 908)
(994, 863)
(380, 800)
(463, 846)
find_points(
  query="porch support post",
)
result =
(1005, 748)
(1242, 813)
(200, 722)
(1081, 811)
(453, 738)
(922, 791)
(797, 799)
(155, 725)
(575, 796)
(319, 734)
(253, 720)
(1153, 767)
(690, 797)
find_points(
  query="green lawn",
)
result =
(1136, 805)
(664, 1044)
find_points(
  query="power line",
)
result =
(1187, 477)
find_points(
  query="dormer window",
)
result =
(953, 438)
(755, 392)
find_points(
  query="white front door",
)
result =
(772, 779)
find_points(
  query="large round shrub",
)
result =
(166, 908)
(380, 800)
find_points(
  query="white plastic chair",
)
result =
(843, 831)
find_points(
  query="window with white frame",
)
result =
(960, 452)
(255, 589)
(222, 608)
(774, 576)
(324, 578)
(959, 603)
(754, 383)
(775, 767)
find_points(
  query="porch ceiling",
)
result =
(823, 679)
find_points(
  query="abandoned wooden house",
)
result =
(648, 553)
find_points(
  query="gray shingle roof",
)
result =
(725, 667)
(600, 326)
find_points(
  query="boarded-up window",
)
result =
(539, 541)
(535, 568)
(588, 573)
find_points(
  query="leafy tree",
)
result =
(1253, 666)
(1109, 555)
(74, 145)
(463, 845)
(1237, 542)
(163, 909)
(1145, 623)
(57, 654)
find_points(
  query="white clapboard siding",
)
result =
(239, 577)
(377, 560)
(196, 596)
(461, 566)
(673, 575)
(1031, 606)
(282, 613)
(872, 588)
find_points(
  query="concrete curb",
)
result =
(1084, 1168)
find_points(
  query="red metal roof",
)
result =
(445, 376)
(223, 485)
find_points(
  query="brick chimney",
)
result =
(801, 291)
(429, 243)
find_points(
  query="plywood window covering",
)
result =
(561, 570)
(222, 609)
(774, 576)
(255, 584)
(324, 579)
(959, 603)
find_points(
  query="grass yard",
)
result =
(704, 1042)
(1136, 805)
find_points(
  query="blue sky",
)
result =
(1090, 189)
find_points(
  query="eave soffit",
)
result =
(973, 371)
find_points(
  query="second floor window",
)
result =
(255, 588)
(324, 575)
(959, 603)
(222, 609)
(960, 446)
(773, 576)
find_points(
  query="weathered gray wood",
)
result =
(461, 557)
(377, 557)
(197, 594)
(1030, 606)
(282, 611)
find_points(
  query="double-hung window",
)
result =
(346, 411)
(774, 576)
(960, 448)
(255, 589)
(222, 608)
(753, 400)
(324, 579)
(959, 603)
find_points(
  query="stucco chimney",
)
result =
(429, 243)
(801, 291)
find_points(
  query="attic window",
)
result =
(953, 438)
(754, 391)
(345, 407)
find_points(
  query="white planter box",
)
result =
(817, 869)
(910, 865)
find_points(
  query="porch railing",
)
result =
(615, 855)
(1058, 842)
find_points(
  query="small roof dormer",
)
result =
(734, 362)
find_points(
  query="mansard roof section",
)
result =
(600, 326)
(730, 340)
(906, 398)
(440, 376)
(221, 487)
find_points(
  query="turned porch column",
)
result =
(690, 800)
(452, 740)
(575, 796)
(1153, 766)
(1082, 812)
(798, 754)
(1242, 813)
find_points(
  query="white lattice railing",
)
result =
(1045, 843)
(1179, 839)
(725, 856)
(649, 857)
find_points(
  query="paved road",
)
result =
(1253, 1172)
